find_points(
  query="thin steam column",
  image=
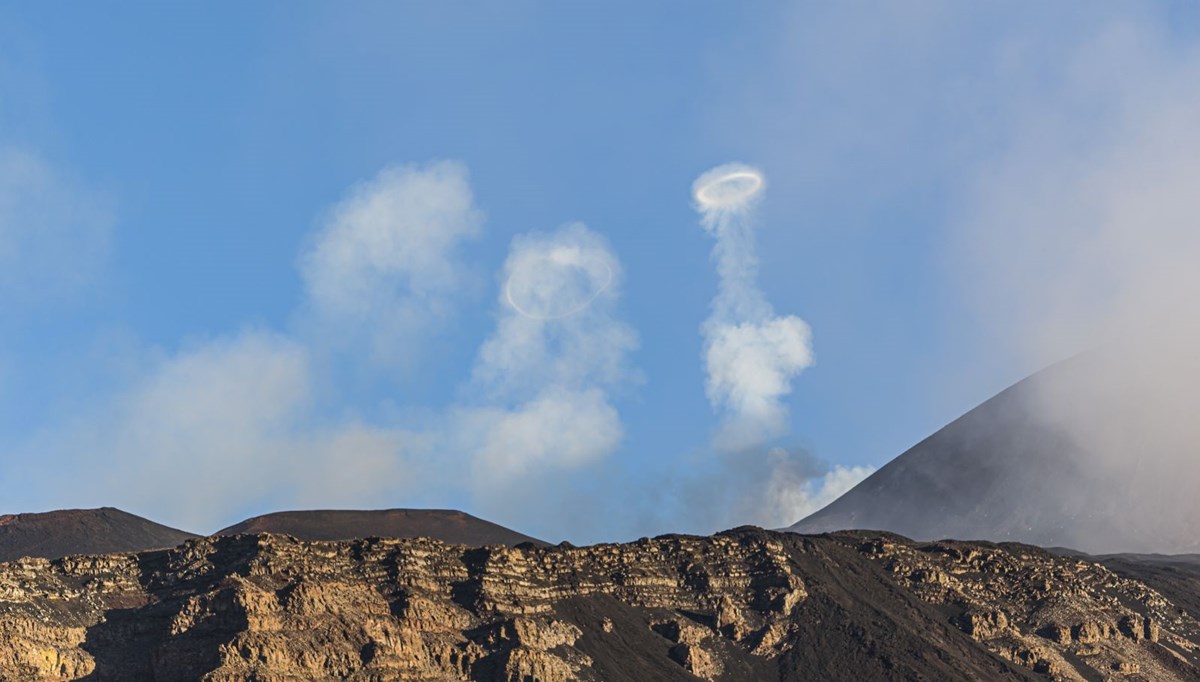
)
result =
(751, 354)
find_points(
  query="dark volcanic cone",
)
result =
(342, 524)
(82, 531)
(1080, 455)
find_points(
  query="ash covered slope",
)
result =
(742, 605)
(82, 531)
(1077, 455)
(343, 524)
(1175, 577)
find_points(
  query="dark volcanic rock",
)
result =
(343, 524)
(56, 534)
(1060, 459)
(742, 605)
(1176, 577)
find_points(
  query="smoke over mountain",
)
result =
(545, 371)
(751, 354)
(1075, 245)
(1083, 237)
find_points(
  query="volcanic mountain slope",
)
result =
(56, 534)
(450, 526)
(1175, 577)
(1060, 459)
(742, 605)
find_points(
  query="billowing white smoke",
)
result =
(794, 492)
(556, 351)
(751, 355)
(1083, 236)
(385, 267)
(235, 418)
(240, 415)
(768, 486)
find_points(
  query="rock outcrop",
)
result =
(742, 605)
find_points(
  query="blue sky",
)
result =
(175, 165)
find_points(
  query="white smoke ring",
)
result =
(729, 186)
(560, 258)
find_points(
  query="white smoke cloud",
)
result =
(556, 352)
(1085, 228)
(570, 270)
(793, 493)
(1082, 237)
(216, 416)
(54, 234)
(769, 487)
(750, 367)
(750, 354)
(559, 429)
(232, 421)
(384, 267)
(238, 417)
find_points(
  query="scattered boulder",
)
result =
(696, 660)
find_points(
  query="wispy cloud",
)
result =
(1082, 235)
(238, 418)
(55, 233)
(383, 270)
(229, 422)
(236, 415)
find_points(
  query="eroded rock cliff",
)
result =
(747, 604)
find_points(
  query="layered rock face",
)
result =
(743, 605)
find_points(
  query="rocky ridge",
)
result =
(745, 604)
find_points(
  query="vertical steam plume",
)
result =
(750, 353)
